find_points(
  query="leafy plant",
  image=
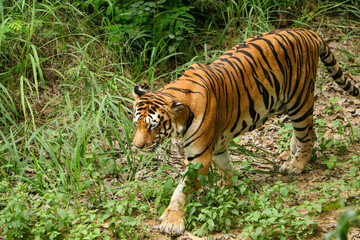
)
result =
(333, 107)
(285, 134)
(215, 209)
(15, 217)
(141, 23)
(118, 214)
(350, 217)
(263, 212)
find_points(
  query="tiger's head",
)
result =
(156, 118)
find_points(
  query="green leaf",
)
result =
(111, 226)
(16, 223)
(203, 180)
(353, 170)
(235, 212)
(120, 209)
(132, 196)
(62, 213)
(211, 224)
(228, 222)
(157, 200)
(343, 225)
(317, 207)
(284, 192)
(258, 231)
(255, 216)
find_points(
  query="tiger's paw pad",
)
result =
(172, 222)
(291, 169)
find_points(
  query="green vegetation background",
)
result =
(67, 68)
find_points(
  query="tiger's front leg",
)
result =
(172, 219)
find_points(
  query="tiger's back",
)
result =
(262, 76)
(209, 105)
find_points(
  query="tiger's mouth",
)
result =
(149, 149)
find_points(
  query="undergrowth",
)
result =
(67, 168)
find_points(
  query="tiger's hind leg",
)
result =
(224, 165)
(301, 144)
(293, 143)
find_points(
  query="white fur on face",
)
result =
(136, 117)
(153, 120)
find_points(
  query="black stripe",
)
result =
(183, 90)
(330, 64)
(276, 56)
(302, 128)
(262, 54)
(219, 153)
(304, 141)
(303, 117)
(338, 74)
(348, 85)
(355, 92)
(233, 79)
(189, 120)
(199, 154)
(325, 54)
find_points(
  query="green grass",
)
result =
(67, 168)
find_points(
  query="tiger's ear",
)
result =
(138, 92)
(177, 107)
(183, 116)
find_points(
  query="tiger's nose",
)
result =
(139, 145)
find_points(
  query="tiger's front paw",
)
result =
(172, 222)
(290, 168)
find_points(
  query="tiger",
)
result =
(209, 105)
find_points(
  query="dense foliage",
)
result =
(67, 169)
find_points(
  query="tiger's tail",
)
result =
(336, 73)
